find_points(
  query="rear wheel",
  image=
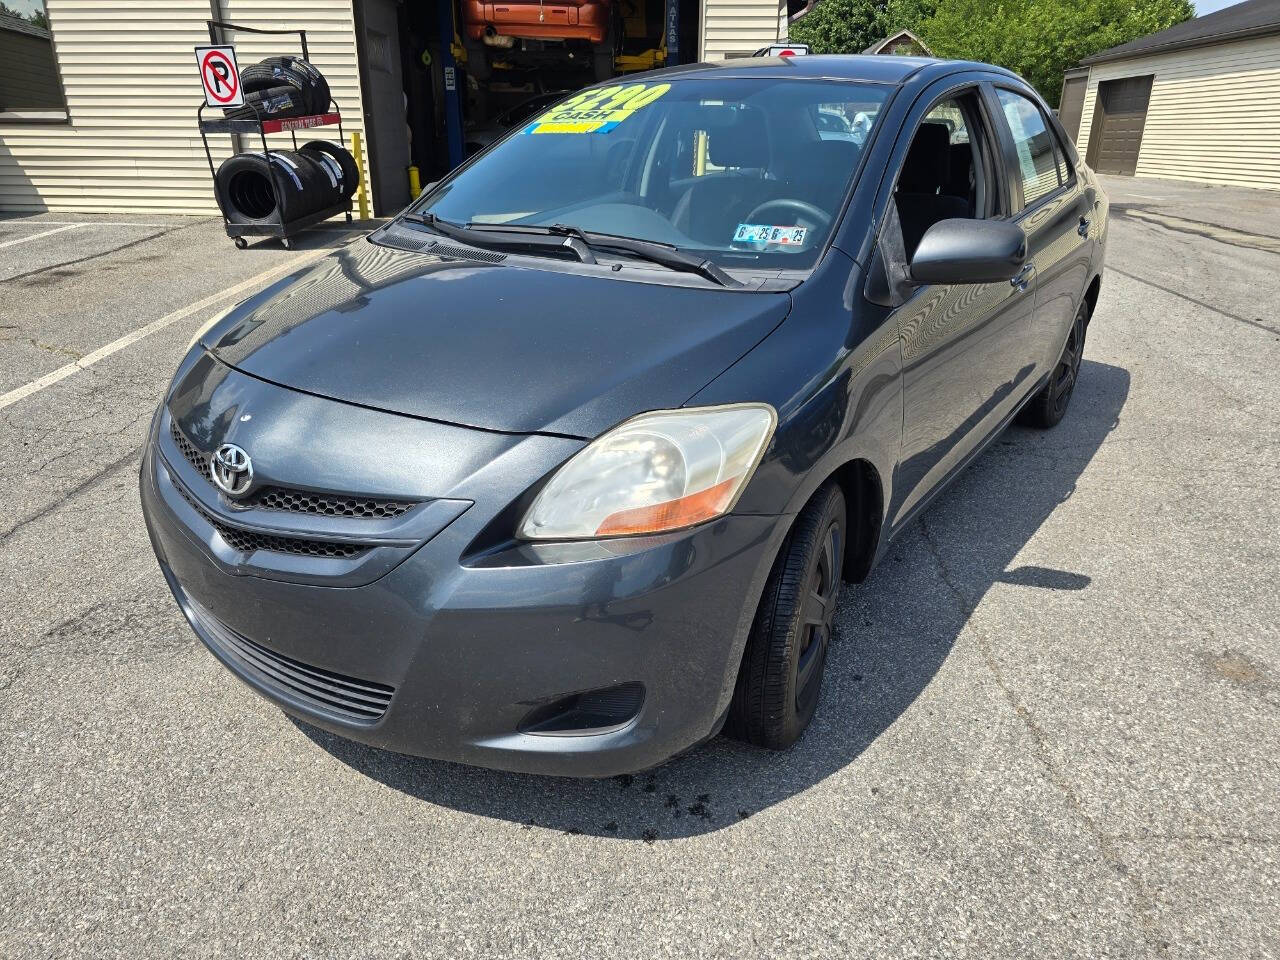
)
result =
(1049, 406)
(780, 679)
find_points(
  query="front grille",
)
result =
(189, 450)
(290, 500)
(247, 541)
(301, 501)
(350, 698)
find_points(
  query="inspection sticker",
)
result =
(597, 111)
(763, 235)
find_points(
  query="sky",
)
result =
(25, 7)
(1209, 6)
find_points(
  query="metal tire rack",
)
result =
(274, 226)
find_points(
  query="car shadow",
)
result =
(894, 633)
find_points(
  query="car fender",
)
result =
(833, 372)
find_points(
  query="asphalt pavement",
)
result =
(1051, 726)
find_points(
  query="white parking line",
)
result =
(79, 223)
(37, 236)
(89, 359)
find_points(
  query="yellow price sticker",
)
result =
(598, 110)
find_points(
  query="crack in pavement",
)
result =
(132, 456)
(1143, 900)
(1199, 303)
(104, 253)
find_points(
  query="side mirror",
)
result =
(969, 251)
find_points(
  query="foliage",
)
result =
(1037, 39)
(35, 17)
(841, 26)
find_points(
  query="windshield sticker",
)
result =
(763, 236)
(597, 111)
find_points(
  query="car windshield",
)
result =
(749, 173)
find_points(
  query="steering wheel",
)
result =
(821, 219)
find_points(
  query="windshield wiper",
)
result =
(580, 242)
(497, 235)
(655, 252)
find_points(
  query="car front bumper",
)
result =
(448, 657)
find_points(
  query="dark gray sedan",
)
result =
(563, 469)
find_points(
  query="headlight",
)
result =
(207, 326)
(656, 472)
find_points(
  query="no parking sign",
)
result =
(219, 76)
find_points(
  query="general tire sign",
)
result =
(219, 76)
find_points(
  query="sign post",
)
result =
(219, 76)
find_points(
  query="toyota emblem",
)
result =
(231, 470)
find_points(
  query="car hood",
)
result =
(496, 346)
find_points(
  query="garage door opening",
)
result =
(1119, 117)
(442, 80)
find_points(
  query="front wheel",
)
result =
(780, 679)
(1049, 406)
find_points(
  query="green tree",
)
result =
(1039, 39)
(841, 26)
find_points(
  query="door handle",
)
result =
(1022, 279)
(1083, 228)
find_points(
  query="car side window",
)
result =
(1037, 160)
(942, 174)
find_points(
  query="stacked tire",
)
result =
(306, 181)
(280, 87)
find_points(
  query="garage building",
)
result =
(98, 98)
(1195, 102)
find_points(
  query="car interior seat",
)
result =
(713, 205)
(922, 195)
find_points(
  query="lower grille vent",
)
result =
(349, 698)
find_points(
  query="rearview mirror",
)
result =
(969, 251)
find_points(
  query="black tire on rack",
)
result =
(350, 172)
(289, 71)
(244, 189)
(322, 175)
(274, 103)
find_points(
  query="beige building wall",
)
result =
(129, 73)
(740, 27)
(1214, 115)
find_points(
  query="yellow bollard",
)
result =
(361, 194)
(415, 184)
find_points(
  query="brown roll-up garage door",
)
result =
(1118, 118)
(1071, 105)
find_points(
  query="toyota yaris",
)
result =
(562, 470)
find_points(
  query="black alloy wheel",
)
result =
(1048, 407)
(780, 680)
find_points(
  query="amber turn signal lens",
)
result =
(672, 515)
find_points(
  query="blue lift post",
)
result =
(673, 32)
(452, 88)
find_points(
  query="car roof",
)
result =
(870, 69)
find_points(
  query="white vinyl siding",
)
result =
(736, 27)
(1213, 114)
(128, 69)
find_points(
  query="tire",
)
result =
(780, 680)
(349, 176)
(273, 103)
(292, 72)
(244, 187)
(1047, 408)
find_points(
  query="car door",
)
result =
(1055, 215)
(963, 344)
